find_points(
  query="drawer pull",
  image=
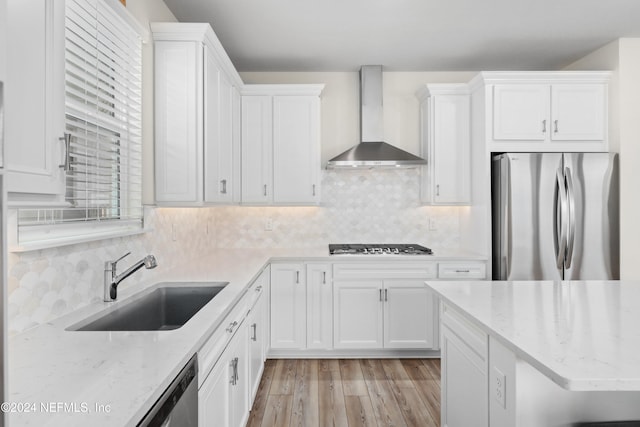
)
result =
(254, 336)
(463, 271)
(259, 288)
(231, 326)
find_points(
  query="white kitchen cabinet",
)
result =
(541, 111)
(319, 307)
(223, 396)
(197, 151)
(358, 315)
(34, 100)
(288, 306)
(408, 315)
(256, 333)
(281, 144)
(557, 112)
(465, 354)
(445, 143)
(394, 314)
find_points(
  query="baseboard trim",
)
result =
(351, 354)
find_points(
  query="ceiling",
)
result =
(411, 35)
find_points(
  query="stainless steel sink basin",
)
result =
(164, 308)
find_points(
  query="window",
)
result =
(103, 114)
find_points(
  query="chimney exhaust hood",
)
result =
(372, 151)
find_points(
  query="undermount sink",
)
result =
(165, 308)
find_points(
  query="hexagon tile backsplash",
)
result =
(357, 206)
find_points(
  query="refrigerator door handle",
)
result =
(571, 217)
(561, 222)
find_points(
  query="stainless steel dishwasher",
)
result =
(178, 405)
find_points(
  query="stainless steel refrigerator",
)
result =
(555, 216)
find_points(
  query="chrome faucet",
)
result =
(112, 280)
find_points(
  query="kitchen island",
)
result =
(539, 353)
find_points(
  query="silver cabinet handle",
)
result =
(297, 277)
(380, 290)
(66, 166)
(313, 190)
(231, 326)
(223, 190)
(555, 126)
(386, 295)
(265, 189)
(254, 328)
(438, 190)
(462, 271)
(544, 126)
(259, 288)
(234, 371)
(324, 277)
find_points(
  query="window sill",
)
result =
(73, 240)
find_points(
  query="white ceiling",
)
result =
(411, 35)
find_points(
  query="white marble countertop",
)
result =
(126, 372)
(583, 335)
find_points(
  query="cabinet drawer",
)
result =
(462, 270)
(385, 270)
(210, 352)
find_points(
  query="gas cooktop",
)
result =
(378, 249)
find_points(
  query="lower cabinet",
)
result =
(465, 353)
(256, 324)
(375, 314)
(288, 306)
(223, 397)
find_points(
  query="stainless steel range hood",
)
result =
(372, 151)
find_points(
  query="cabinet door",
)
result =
(465, 395)
(219, 143)
(214, 395)
(288, 306)
(34, 114)
(296, 139)
(450, 149)
(578, 112)
(257, 149)
(521, 112)
(408, 314)
(319, 307)
(357, 321)
(178, 121)
(239, 398)
(256, 335)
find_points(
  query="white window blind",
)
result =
(103, 66)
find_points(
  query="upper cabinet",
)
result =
(281, 144)
(544, 111)
(197, 116)
(445, 143)
(34, 100)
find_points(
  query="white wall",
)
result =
(147, 11)
(623, 58)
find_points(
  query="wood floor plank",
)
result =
(305, 396)
(353, 383)
(385, 406)
(329, 365)
(395, 372)
(433, 365)
(278, 411)
(414, 410)
(416, 369)
(360, 411)
(429, 391)
(260, 401)
(284, 377)
(331, 400)
(372, 369)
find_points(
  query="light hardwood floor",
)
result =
(348, 392)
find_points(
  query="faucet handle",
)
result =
(121, 258)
